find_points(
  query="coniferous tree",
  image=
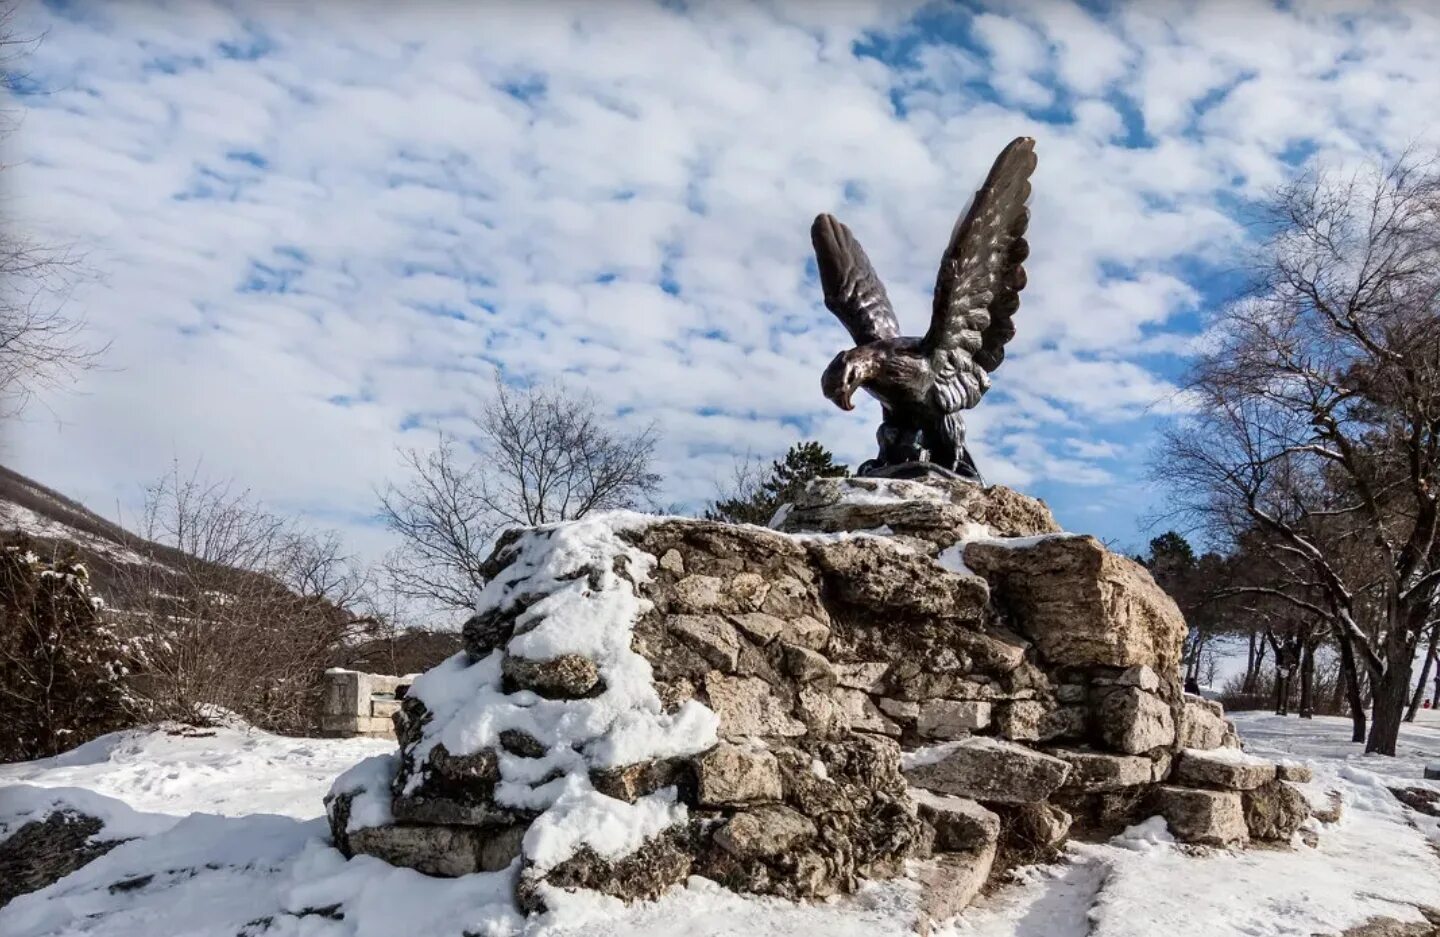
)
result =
(754, 499)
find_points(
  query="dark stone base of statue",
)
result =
(919, 471)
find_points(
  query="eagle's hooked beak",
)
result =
(839, 382)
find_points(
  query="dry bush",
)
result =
(247, 618)
(62, 669)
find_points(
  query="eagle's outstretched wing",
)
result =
(852, 290)
(981, 276)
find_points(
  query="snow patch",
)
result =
(587, 576)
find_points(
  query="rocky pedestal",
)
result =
(901, 671)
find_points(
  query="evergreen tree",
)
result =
(756, 499)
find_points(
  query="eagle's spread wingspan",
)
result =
(981, 276)
(852, 290)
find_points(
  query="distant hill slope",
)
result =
(28, 507)
(112, 554)
(58, 523)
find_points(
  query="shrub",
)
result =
(63, 670)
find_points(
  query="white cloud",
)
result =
(621, 195)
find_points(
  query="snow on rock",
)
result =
(582, 817)
(572, 593)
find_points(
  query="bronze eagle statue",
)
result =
(924, 383)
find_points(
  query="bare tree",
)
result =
(1317, 418)
(41, 345)
(244, 612)
(535, 455)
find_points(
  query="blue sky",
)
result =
(317, 228)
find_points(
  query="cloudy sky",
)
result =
(316, 229)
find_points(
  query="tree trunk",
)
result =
(1435, 698)
(1392, 692)
(1351, 679)
(1282, 691)
(1419, 694)
(1252, 663)
(1307, 680)
(1392, 687)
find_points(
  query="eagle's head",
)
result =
(847, 372)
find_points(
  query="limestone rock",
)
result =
(1134, 721)
(902, 710)
(1034, 721)
(747, 706)
(1294, 771)
(453, 790)
(987, 770)
(1202, 724)
(441, 850)
(673, 562)
(1212, 818)
(1081, 604)
(805, 665)
(821, 712)
(765, 831)
(1223, 768)
(1140, 676)
(952, 719)
(1274, 811)
(698, 594)
(631, 782)
(879, 575)
(939, 511)
(862, 714)
(568, 676)
(806, 631)
(645, 874)
(728, 775)
(1037, 829)
(711, 636)
(949, 883)
(1091, 772)
(960, 823)
(867, 676)
(41, 852)
(758, 626)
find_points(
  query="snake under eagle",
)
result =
(923, 384)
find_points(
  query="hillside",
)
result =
(116, 558)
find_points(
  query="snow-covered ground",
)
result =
(229, 825)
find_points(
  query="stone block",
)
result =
(568, 676)
(758, 626)
(1274, 811)
(868, 676)
(949, 883)
(1134, 721)
(747, 706)
(764, 832)
(805, 665)
(960, 823)
(1228, 769)
(988, 770)
(862, 714)
(1295, 771)
(447, 851)
(710, 636)
(1081, 604)
(1139, 676)
(1213, 818)
(952, 719)
(1091, 772)
(902, 710)
(1034, 721)
(730, 775)
(1201, 727)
